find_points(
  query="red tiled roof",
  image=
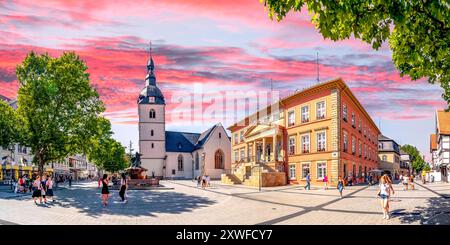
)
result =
(443, 122)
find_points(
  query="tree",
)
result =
(427, 167)
(417, 162)
(104, 151)
(417, 31)
(59, 107)
(9, 130)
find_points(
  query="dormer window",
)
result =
(179, 146)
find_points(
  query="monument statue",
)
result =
(137, 160)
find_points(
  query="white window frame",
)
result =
(321, 169)
(306, 136)
(290, 144)
(344, 112)
(321, 141)
(292, 169)
(353, 144)
(345, 141)
(305, 114)
(353, 119)
(303, 164)
(321, 111)
(291, 121)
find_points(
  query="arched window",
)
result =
(220, 135)
(152, 113)
(151, 132)
(153, 145)
(197, 161)
(384, 158)
(180, 162)
(218, 159)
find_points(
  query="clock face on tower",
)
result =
(151, 99)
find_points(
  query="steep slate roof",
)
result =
(187, 141)
(382, 137)
(433, 142)
(443, 122)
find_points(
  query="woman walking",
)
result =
(44, 188)
(340, 186)
(384, 192)
(105, 190)
(325, 182)
(123, 188)
(37, 187)
(49, 185)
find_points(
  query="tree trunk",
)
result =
(41, 163)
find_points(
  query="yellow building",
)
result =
(322, 130)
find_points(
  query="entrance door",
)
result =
(258, 152)
(268, 150)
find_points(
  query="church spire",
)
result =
(150, 63)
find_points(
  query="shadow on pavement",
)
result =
(436, 212)
(140, 202)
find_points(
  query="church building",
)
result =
(177, 155)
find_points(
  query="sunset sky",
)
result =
(218, 45)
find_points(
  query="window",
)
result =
(291, 118)
(360, 148)
(180, 162)
(291, 145)
(353, 145)
(345, 141)
(320, 110)
(365, 131)
(242, 136)
(305, 170)
(243, 154)
(321, 170)
(152, 113)
(321, 141)
(249, 152)
(369, 153)
(305, 143)
(360, 171)
(384, 158)
(305, 114)
(365, 150)
(151, 132)
(360, 125)
(153, 145)
(380, 145)
(292, 171)
(344, 112)
(218, 159)
(353, 120)
(236, 138)
(197, 161)
(236, 156)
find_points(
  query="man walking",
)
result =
(308, 182)
(70, 180)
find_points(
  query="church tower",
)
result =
(151, 110)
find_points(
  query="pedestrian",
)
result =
(105, 190)
(208, 181)
(350, 180)
(203, 182)
(325, 182)
(340, 186)
(384, 192)
(44, 188)
(99, 181)
(123, 188)
(37, 186)
(411, 181)
(199, 181)
(49, 185)
(405, 180)
(308, 182)
(70, 180)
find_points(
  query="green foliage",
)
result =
(105, 152)
(9, 125)
(417, 161)
(427, 167)
(417, 31)
(60, 109)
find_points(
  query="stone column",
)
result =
(254, 153)
(246, 151)
(274, 143)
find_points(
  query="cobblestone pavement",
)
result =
(181, 202)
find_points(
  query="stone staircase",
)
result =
(249, 177)
(230, 179)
